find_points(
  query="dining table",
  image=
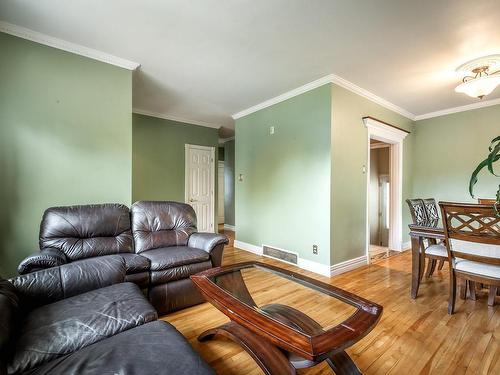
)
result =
(431, 230)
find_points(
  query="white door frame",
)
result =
(220, 192)
(187, 147)
(389, 134)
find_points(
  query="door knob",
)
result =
(193, 200)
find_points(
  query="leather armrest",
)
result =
(212, 243)
(56, 283)
(207, 241)
(47, 258)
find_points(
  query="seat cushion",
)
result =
(153, 348)
(478, 268)
(439, 250)
(63, 327)
(135, 263)
(179, 272)
(173, 256)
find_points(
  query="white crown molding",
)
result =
(370, 96)
(174, 118)
(449, 111)
(331, 78)
(280, 98)
(348, 265)
(64, 45)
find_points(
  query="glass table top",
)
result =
(294, 302)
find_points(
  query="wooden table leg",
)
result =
(342, 364)
(416, 268)
(269, 358)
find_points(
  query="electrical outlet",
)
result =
(315, 249)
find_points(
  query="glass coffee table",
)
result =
(286, 320)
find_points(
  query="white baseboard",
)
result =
(348, 265)
(305, 264)
(230, 227)
(248, 247)
(309, 265)
(406, 246)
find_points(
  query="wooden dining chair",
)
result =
(472, 237)
(486, 201)
(427, 210)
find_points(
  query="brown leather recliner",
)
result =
(167, 247)
(165, 233)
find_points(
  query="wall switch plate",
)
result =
(240, 177)
(271, 130)
(315, 249)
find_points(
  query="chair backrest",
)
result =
(161, 224)
(486, 201)
(87, 231)
(472, 232)
(417, 210)
(431, 209)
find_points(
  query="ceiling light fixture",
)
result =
(480, 76)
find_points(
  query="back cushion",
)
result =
(161, 224)
(8, 313)
(87, 231)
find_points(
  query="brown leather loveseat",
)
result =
(157, 239)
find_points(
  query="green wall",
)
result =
(65, 138)
(158, 156)
(447, 150)
(229, 182)
(349, 139)
(284, 197)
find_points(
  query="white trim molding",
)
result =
(311, 266)
(248, 247)
(174, 118)
(230, 227)
(331, 78)
(64, 45)
(449, 111)
(305, 264)
(394, 136)
(348, 265)
(406, 246)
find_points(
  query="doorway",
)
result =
(384, 133)
(379, 200)
(200, 184)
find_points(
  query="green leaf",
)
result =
(473, 177)
(491, 158)
(496, 139)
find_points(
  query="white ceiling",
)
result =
(204, 60)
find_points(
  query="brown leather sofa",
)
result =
(81, 318)
(157, 239)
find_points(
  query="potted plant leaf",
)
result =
(493, 156)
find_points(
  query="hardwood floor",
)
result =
(413, 336)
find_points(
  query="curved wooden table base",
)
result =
(271, 359)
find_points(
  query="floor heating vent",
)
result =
(280, 254)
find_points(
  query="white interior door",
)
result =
(220, 192)
(200, 170)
